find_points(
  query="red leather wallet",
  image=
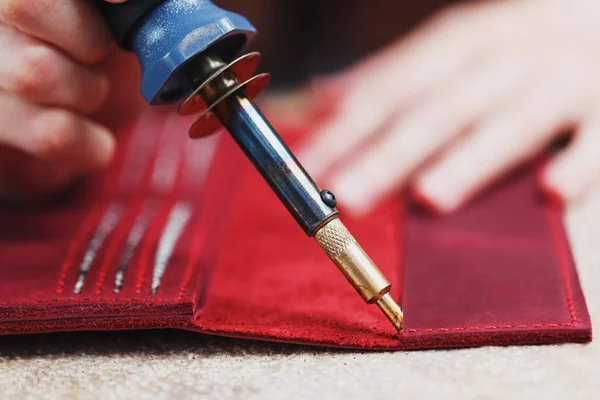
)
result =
(187, 235)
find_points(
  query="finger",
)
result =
(571, 174)
(386, 165)
(72, 25)
(22, 176)
(54, 135)
(498, 144)
(378, 89)
(37, 72)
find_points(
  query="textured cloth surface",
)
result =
(167, 364)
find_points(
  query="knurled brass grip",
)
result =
(352, 260)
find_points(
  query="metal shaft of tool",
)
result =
(263, 146)
(288, 179)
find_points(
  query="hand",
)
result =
(49, 83)
(474, 92)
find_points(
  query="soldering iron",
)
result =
(189, 51)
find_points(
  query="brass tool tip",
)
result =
(391, 309)
(358, 268)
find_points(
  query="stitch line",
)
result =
(558, 234)
(87, 228)
(487, 327)
(561, 244)
(198, 164)
(89, 299)
(177, 222)
(150, 242)
(89, 224)
(401, 240)
(198, 242)
(116, 242)
(553, 215)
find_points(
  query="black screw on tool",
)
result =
(328, 198)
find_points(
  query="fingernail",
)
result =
(549, 190)
(438, 192)
(420, 199)
(310, 164)
(103, 146)
(354, 194)
(550, 184)
(552, 195)
(313, 161)
(102, 91)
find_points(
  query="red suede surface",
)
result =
(498, 272)
(42, 248)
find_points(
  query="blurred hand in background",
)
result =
(49, 85)
(473, 92)
(476, 90)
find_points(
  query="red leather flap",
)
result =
(498, 272)
(143, 218)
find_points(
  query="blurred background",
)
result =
(304, 38)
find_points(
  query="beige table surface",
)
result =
(170, 364)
